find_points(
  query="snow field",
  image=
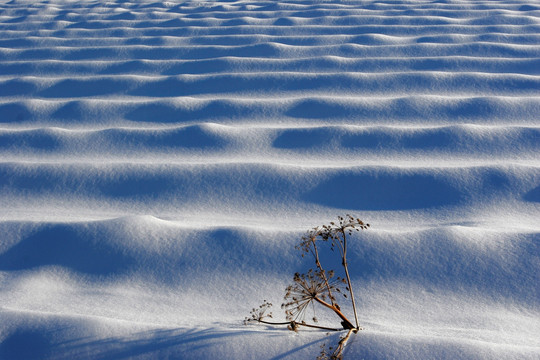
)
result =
(159, 161)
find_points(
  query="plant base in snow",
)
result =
(331, 353)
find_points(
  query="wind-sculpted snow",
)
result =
(160, 160)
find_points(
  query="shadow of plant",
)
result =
(36, 343)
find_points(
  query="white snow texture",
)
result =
(160, 160)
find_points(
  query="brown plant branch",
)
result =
(345, 322)
(294, 324)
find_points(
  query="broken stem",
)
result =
(346, 323)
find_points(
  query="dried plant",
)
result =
(318, 286)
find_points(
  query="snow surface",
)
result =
(160, 159)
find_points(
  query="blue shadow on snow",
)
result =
(384, 192)
(533, 195)
(63, 245)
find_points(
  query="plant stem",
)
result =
(323, 273)
(348, 277)
(299, 324)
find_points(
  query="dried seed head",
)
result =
(258, 314)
